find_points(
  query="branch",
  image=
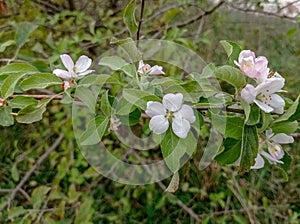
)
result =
(208, 12)
(39, 97)
(33, 168)
(140, 22)
(288, 5)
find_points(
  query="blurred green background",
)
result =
(65, 189)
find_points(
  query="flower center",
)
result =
(248, 63)
(146, 68)
(169, 115)
(75, 70)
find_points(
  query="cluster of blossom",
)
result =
(265, 97)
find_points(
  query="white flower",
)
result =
(147, 69)
(74, 71)
(275, 152)
(264, 95)
(171, 109)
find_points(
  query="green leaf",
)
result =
(16, 212)
(118, 63)
(174, 183)
(105, 104)
(22, 101)
(231, 152)
(18, 67)
(232, 49)
(128, 45)
(129, 18)
(8, 86)
(23, 31)
(132, 118)
(292, 114)
(230, 126)
(123, 107)
(6, 119)
(285, 167)
(173, 148)
(95, 130)
(285, 127)
(249, 148)
(38, 196)
(254, 116)
(32, 113)
(85, 212)
(231, 75)
(87, 97)
(6, 44)
(98, 80)
(40, 81)
(15, 173)
(139, 98)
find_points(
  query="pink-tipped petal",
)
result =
(67, 61)
(156, 70)
(62, 74)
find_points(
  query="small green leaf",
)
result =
(16, 212)
(6, 119)
(232, 49)
(285, 127)
(118, 63)
(87, 97)
(129, 18)
(23, 31)
(254, 116)
(105, 104)
(249, 148)
(85, 212)
(15, 173)
(231, 152)
(18, 67)
(40, 81)
(38, 196)
(6, 44)
(292, 114)
(98, 80)
(22, 102)
(231, 75)
(32, 113)
(174, 183)
(95, 130)
(8, 86)
(132, 118)
(139, 98)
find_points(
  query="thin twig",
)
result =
(39, 97)
(288, 5)
(140, 22)
(33, 168)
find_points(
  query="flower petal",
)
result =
(277, 102)
(172, 102)
(270, 86)
(187, 113)
(83, 63)
(141, 65)
(62, 73)
(86, 72)
(248, 93)
(155, 108)
(246, 54)
(159, 124)
(156, 70)
(282, 138)
(180, 127)
(263, 106)
(259, 162)
(275, 150)
(67, 61)
(270, 158)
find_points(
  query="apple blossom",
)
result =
(253, 67)
(147, 69)
(275, 152)
(171, 109)
(264, 95)
(80, 68)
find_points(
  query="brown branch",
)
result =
(39, 97)
(33, 168)
(205, 13)
(140, 22)
(288, 5)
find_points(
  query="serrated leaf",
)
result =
(139, 98)
(40, 81)
(18, 67)
(249, 148)
(231, 75)
(32, 113)
(285, 127)
(6, 119)
(22, 102)
(6, 44)
(118, 63)
(231, 152)
(95, 130)
(23, 31)
(129, 18)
